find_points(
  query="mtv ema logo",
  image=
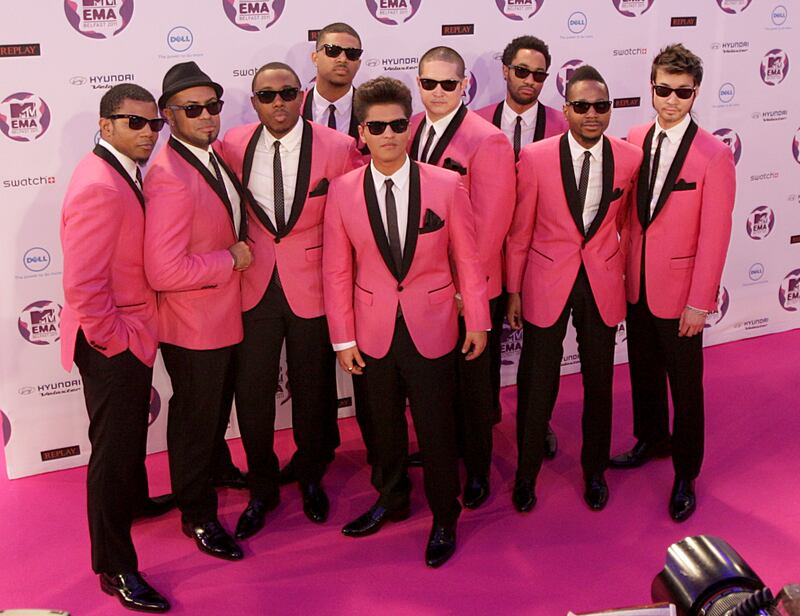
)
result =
(565, 73)
(729, 137)
(99, 19)
(796, 146)
(633, 8)
(723, 303)
(733, 6)
(155, 406)
(39, 323)
(393, 12)
(6, 428)
(519, 10)
(774, 67)
(789, 292)
(760, 222)
(24, 116)
(472, 88)
(253, 16)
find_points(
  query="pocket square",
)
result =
(454, 165)
(682, 184)
(616, 194)
(431, 222)
(320, 189)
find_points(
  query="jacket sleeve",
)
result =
(337, 272)
(521, 232)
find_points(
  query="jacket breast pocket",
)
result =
(681, 262)
(540, 259)
(442, 294)
(363, 296)
(314, 253)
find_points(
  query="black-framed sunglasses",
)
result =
(334, 51)
(376, 127)
(195, 111)
(136, 122)
(448, 85)
(581, 107)
(267, 96)
(682, 93)
(522, 72)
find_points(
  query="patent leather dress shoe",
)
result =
(212, 539)
(287, 474)
(252, 519)
(596, 494)
(233, 478)
(642, 452)
(523, 496)
(154, 507)
(682, 501)
(372, 521)
(550, 443)
(414, 459)
(133, 592)
(315, 502)
(476, 491)
(441, 545)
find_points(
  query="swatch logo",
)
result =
(519, 10)
(760, 222)
(393, 12)
(565, 74)
(39, 323)
(24, 116)
(796, 146)
(155, 406)
(774, 67)
(253, 16)
(723, 304)
(99, 19)
(732, 7)
(6, 428)
(633, 8)
(789, 292)
(729, 137)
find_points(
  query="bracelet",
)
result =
(697, 310)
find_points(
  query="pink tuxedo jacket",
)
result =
(688, 235)
(547, 243)
(549, 122)
(483, 156)
(363, 290)
(297, 251)
(105, 289)
(188, 232)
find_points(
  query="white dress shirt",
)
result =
(344, 107)
(127, 162)
(669, 148)
(261, 178)
(508, 121)
(439, 126)
(594, 191)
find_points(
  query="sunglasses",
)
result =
(195, 111)
(448, 85)
(521, 72)
(582, 107)
(377, 127)
(267, 96)
(334, 51)
(138, 122)
(665, 91)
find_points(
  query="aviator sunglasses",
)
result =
(664, 91)
(376, 127)
(267, 96)
(448, 85)
(195, 111)
(334, 51)
(582, 107)
(136, 122)
(522, 72)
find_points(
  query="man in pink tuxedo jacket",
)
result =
(390, 230)
(109, 328)
(523, 119)
(193, 255)
(679, 234)
(563, 256)
(286, 164)
(450, 136)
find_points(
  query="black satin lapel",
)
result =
(353, 128)
(374, 214)
(107, 156)
(447, 135)
(249, 153)
(642, 204)
(237, 185)
(303, 178)
(608, 189)
(541, 123)
(568, 181)
(675, 168)
(497, 117)
(190, 158)
(417, 138)
(308, 113)
(412, 227)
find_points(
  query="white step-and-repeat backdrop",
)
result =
(58, 57)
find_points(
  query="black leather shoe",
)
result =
(682, 501)
(523, 496)
(252, 519)
(133, 592)
(642, 452)
(441, 545)
(476, 491)
(287, 474)
(234, 478)
(154, 507)
(414, 459)
(372, 521)
(212, 539)
(315, 502)
(550, 443)
(596, 494)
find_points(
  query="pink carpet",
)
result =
(561, 556)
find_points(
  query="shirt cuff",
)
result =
(343, 346)
(697, 310)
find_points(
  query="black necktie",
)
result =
(583, 183)
(277, 185)
(517, 137)
(139, 178)
(392, 227)
(332, 116)
(425, 150)
(217, 172)
(654, 170)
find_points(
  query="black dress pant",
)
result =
(498, 312)
(540, 370)
(430, 385)
(656, 354)
(198, 385)
(311, 380)
(117, 394)
(223, 463)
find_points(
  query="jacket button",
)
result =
(277, 240)
(399, 287)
